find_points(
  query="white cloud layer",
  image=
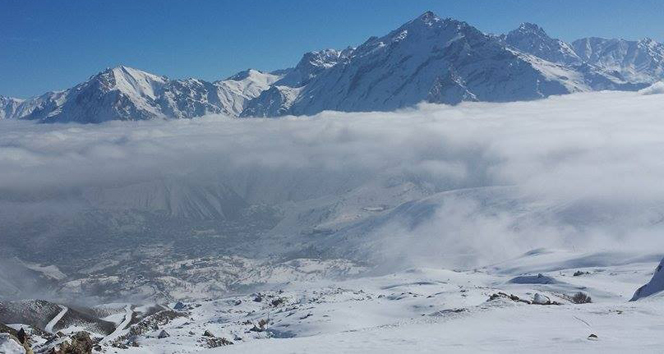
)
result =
(593, 159)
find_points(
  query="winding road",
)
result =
(56, 319)
(122, 326)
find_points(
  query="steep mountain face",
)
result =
(8, 106)
(447, 61)
(278, 99)
(273, 102)
(634, 61)
(312, 64)
(238, 90)
(428, 59)
(532, 39)
(124, 93)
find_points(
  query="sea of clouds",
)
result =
(583, 170)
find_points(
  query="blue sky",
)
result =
(54, 44)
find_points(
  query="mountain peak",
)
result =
(428, 18)
(649, 42)
(426, 59)
(118, 68)
(529, 28)
(325, 58)
(532, 39)
(123, 71)
(244, 74)
(313, 63)
(426, 22)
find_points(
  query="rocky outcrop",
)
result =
(79, 343)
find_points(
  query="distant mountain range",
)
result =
(427, 59)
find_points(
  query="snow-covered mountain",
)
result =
(9, 106)
(634, 61)
(238, 90)
(312, 64)
(427, 59)
(124, 93)
(532, 39)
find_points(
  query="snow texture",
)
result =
(656, 89)
(10, 346)
(654, 286)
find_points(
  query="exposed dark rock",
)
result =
(581, 298)
(515, 298)
(150, 323)
(79, 343)
(7, 329)
(534, 279)
(256, 329)
(22, 336)
(217, 342)
(509, 297)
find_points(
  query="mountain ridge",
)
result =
(427, 59)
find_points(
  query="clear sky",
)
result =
(54, 44)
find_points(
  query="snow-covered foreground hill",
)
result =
(433, 311)
(346, 232)
(545, 301)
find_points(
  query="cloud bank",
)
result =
(582, 170)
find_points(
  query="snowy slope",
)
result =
(427, 59)
(125, 93)
(273, 102)
(606, 63)
(236, 91)
(420, 309)
(9, 345)
(654, 89)
(120, 93)
(532, 39)
(654, 286)
(8, 106)
(635, 61)
(313, 64)
(448, 61)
